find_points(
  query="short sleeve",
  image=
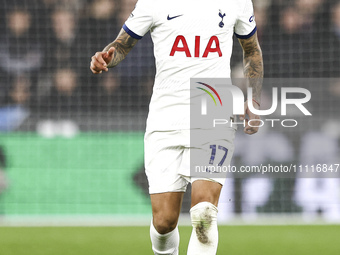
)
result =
(140, 20)
(245, 26)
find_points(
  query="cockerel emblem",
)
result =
(221, 24)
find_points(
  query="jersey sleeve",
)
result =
(245, 26)
(140, 20)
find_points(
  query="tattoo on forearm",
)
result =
(253, 64)
(123, 44)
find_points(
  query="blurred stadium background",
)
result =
(71, 143)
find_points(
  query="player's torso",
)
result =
(193, 36)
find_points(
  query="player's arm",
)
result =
(253, 70)
(113, 53)
(253, 64)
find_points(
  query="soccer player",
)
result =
(192, 38)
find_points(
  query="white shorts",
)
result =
(167, 158)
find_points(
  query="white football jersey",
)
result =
(192, 38)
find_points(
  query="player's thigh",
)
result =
(166, 208)
(205, 191)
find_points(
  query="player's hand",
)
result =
(100, 60)
(255, 123)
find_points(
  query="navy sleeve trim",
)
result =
(246, 36)
(132, 34)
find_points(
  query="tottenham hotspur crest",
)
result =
(221, 24)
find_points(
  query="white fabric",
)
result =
(197, 22)
(246, 20)
(167, 158)
(204, 236)
(166, 244)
